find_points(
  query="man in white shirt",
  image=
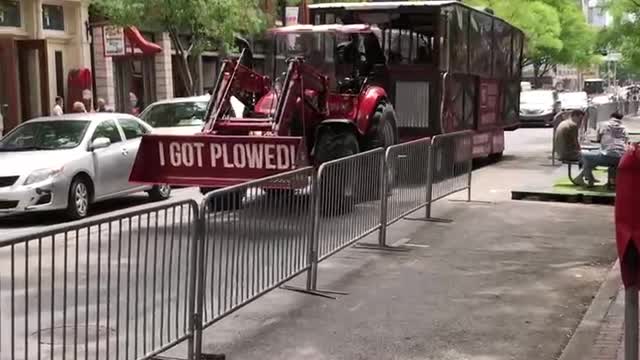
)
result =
(57, 108)
(613, 138)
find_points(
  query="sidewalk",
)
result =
(609, 345)
(600, 335)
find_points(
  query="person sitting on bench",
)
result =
(613, 138)
(566, 140)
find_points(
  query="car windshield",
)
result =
(45, 135)
(188, 113)
(537, 97)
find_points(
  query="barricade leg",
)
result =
(429, 192)
(631, 323)
(311, 287)
(384, 194)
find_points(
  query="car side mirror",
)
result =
(100, 143)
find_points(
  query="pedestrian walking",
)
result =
(57, 108)
(1, 124)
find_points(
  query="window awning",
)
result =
(138, 41)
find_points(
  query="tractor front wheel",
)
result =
(228, 201)
(337, 186)
(382, 133)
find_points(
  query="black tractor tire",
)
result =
(382, 133)
(334, 143)
(159, 192)
(279, 193)
(229, 201)
(412, 167)
(79, 199)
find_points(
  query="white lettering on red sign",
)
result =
(230, 156)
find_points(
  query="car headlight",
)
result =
(42, 175)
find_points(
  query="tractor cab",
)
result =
(347, 56)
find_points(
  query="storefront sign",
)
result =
(114, 44)
(291, 15)
(291, 18)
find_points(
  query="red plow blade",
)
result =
(214, 160)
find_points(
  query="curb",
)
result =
(582, 340)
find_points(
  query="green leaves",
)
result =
(556, 30)
(208, 22)
(624, 33)
(193, 25)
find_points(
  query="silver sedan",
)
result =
(69, 162)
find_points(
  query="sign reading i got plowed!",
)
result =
(214, 161)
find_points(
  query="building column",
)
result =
(163, 68)
(81, 37)
(103, 69)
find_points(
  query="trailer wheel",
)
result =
(229, 201)
(337, 190)
(382, 133)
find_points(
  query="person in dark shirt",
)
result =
(566, 138)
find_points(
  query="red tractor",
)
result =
(328, 101)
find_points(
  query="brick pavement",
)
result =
(610, 340)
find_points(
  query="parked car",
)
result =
(70, 162)
(181, 116)
(574, 100)
(177, 116)
(538, 107)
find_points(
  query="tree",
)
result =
(193, 25)
(556, 31)
(624, 33)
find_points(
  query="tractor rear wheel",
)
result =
(229, 201)
(382, 133)
(336, 188)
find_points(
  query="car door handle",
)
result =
(125, 152)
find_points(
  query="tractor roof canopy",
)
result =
(328, 28)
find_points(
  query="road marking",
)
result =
(401, 242)
(419, 245)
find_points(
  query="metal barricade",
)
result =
(349, 201)
(451, 164)
(407, 165)
(255, 237)
(114, 288)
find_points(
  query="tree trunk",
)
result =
(184, 70)
(194, 69)
(537, 83)
(185, 74)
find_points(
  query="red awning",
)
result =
(137, 40)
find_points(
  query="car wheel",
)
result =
(78, 205)
(159, 192)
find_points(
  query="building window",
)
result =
(9, 13)
(53, 17)
(59, 73)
